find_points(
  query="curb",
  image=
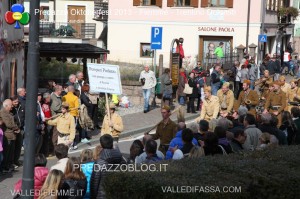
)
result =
(129, 133)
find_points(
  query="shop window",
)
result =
(183, 3)
(145, 50)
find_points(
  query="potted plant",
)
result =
(293, 12)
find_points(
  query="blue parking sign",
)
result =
(156, 38)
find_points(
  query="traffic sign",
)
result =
(156, 38)
(262, 38)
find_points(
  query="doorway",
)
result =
(76, 19)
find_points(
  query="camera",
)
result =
(143, 81)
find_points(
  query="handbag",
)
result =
(187, 89)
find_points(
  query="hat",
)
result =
(65, 105)
(39, 94)
(166, 107)
(227, 84)
(207, 89)
(247, 81)
(282, 78)
(112, 105)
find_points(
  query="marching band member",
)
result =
(210, 107)
(285, 87)
(293, 95)
(276, 102)
(248, 98)
(226, 97)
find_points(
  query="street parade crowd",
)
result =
(237, 111)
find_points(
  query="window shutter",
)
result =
(229, 3)
(204, 3)
(136, 2)
(158, 3)
(194, 3)
(170, 3)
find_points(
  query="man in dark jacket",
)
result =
(239, 139)
(216, 80)
(108, 156)
(18, 112)
(22, 96)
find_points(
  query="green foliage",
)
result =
(56, 69)
(272, 173)
(284, 11)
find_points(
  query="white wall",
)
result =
(125, 47)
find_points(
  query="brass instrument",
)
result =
(262, 80)
(248, 102)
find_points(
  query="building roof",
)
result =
(69, 50)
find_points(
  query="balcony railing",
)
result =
(72, 30)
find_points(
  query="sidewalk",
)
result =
(140, 122)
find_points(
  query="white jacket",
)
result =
(150, 79)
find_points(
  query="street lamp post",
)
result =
(31, 101)
(248, 22)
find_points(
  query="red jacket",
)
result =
(46, 110)
(40, 175)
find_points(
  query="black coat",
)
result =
(87, 102)
(192, 83)
(107, 156)
(73, 189)
(19, 115)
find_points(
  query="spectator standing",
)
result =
(79, 80)
(47, 145)
(288, 127)
(72, 79)
(166, 87)
(216, 80)
(182, 81)
(244, 73)
(19, 115)
(253, 73)
(148, 80)
(55, 106)
(22, 96)
(136, 149)
(10, 129)
(150, 149)
(191, 97)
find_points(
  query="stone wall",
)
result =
(135, 93)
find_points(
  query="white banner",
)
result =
(104, 78)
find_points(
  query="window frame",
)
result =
(141, 50)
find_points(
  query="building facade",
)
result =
(11, 54)
(202, 23)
